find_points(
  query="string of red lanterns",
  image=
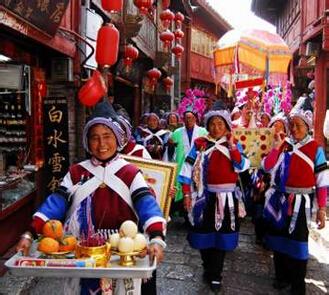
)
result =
(179, 18)
(153, 77)
(166, 17)
(167, 37)
(165, 4)
(129, 55)
(168, 83)
(178, 50)
(112, 5)
(143, 5)
(179, 35)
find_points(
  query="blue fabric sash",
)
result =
(292, 248)
(276, 209)
(218, 240)
(202, 200)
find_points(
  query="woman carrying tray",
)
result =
(101, 193)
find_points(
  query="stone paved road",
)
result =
(247, 270)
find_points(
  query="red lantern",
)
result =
(167, 37)
(112, 5)
(178, 50)
(129, 55)
(167, 17)
(168, 83)
(93, 90)
(179, 18)
(143, 5)
(153, 75)
(107, 46)
(179, 34)
(165, 4)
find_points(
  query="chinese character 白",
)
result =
(55, 115)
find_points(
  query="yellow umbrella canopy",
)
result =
(249, 54)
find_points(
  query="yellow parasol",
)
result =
(251, 54)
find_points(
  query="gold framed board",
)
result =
(256, 143)
(160, 176)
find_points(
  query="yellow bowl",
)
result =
(101, 254)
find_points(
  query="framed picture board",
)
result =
(256, 143)
(160, 176)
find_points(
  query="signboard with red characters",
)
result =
(256, 143)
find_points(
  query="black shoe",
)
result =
(279, 285)
(215, 286)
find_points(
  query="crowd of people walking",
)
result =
(215, 187)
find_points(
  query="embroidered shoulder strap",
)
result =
(101, 175)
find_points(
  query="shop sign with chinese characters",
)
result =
(56, 139)
(46, 15)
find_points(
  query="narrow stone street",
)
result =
(247, 270)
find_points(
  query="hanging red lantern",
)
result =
(112, 5)
(168, 83)
(107, 46)
(178, 50)
(179, 35)
(129, 55)
(143, 5)
(153, 76)
(93, 90)
(179, 18)
(167, 16)
(167, 37)
(165, 4)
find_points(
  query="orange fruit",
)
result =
(48, 245)
(67, 244)
(53, 229)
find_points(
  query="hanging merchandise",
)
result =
(167, 37)
(93, 90)
(179, 18)
(178, 50)
(112, 6)
(167, 16)
(143, 5)
(129, 55)
(168, 83)
(107, 46)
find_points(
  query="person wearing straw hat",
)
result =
(299, 170)
(99, 194)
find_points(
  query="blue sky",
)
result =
(239, 15)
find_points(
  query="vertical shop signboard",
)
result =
(56, 141)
